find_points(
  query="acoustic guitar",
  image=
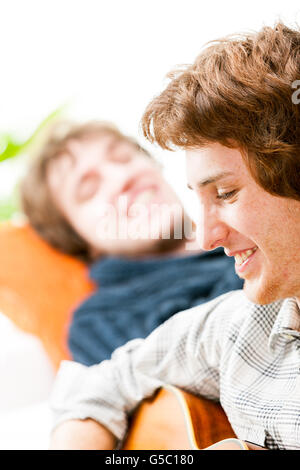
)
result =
(174, 419)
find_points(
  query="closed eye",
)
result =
(225, 196)
(87, 187)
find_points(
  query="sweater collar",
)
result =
(111, 269)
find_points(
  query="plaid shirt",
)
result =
(243, 354)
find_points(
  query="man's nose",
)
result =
(212, 232)
(118, 178)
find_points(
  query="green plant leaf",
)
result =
(10, 147)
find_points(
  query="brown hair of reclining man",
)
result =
(232, 111)
(93, 191)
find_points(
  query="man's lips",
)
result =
(238, 252)
(242, 257)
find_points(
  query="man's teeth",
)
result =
(241, 258)
(144, 196)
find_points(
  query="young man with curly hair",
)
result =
(233, 113)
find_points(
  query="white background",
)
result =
(108, 58)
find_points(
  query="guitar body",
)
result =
(174, 419)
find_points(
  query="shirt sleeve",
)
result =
(184, 352)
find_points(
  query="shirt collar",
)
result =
(286, 327)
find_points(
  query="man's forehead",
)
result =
(72, 148)
(213, 164)
(215, 152)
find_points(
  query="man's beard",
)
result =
(181, 231)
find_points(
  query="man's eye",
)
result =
(87, 187)
(225, 196)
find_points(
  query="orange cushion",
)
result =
(40, 287)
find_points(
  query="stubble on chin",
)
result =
(263, 293)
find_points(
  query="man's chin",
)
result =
(261, 294)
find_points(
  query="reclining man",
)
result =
(96, 194)
(232, 111)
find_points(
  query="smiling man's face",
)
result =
(98, 184)
(259, 229)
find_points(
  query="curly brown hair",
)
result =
(238, 92)
(36, 198)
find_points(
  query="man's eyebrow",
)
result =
(212, 179)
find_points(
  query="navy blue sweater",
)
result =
(136, 296)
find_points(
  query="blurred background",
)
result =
(89, 59)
